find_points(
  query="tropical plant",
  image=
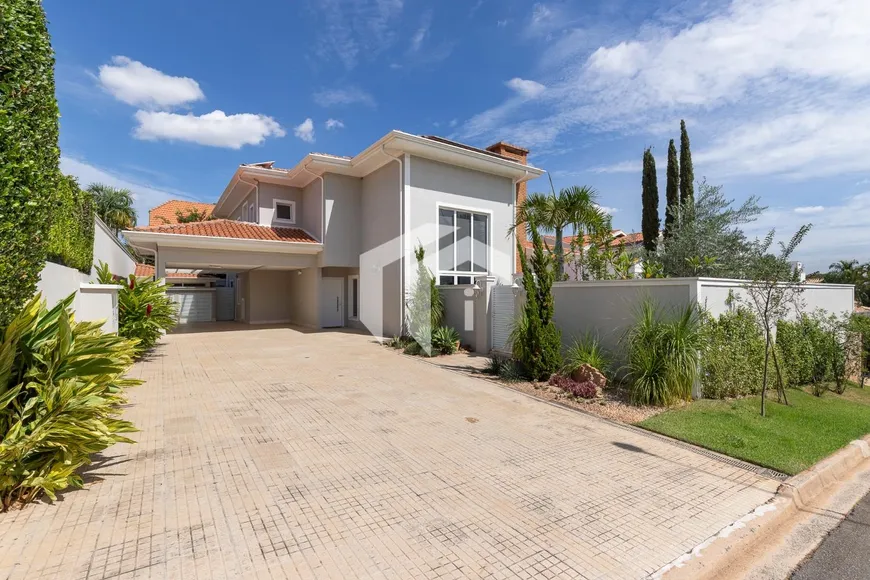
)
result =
(29, 154)
(774, 287)
(709, 231)
(733, 355)
(114, 206)
(650, 221)
(192, 215)
(575, 207)
(586, 350)
(535, 340)
(851, 272)
(445, 340)
(145, 312)
(71, 236)
(61, 387)
(425, 305)
(663, 354)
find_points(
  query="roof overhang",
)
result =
(384, 150)
(150, 241)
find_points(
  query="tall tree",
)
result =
(650, 222)
(575, 207)
(114, 206)
(672, 193)
(28, 150)
(687, 172)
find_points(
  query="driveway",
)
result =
(273, 453)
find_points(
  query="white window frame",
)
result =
(252, 213)
(350, 280)
(275, 217)
(489, 227)
(244, 215)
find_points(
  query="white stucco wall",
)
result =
(311, 215)
(304, 296)
(268, 296)
(436, 184)
(341, 239)
(836, 299)
(108, 249)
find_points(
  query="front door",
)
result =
(331, 302)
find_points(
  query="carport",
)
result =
(276, 272)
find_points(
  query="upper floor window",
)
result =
(285, 211)
(252, 213)
(463, 245)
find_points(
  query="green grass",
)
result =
(790, 439)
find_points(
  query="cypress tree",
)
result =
(687, 172)
(650, 221)
(672, 193)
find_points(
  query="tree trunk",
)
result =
(764, 379)
(560, 255)
(783, 398)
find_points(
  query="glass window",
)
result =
(463, 246)
(284, 212)
(354, 298)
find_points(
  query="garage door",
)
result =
(194, 304)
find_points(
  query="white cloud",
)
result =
(145, 196)
(809, 209)
(216, 129)
(305, 130)
(607, 210)
(422, 32)
(526, 88)
(344, 96)
(334, 124)
(745, 72)
(621, 167)
(501, 23)
(134, 83)
(353, 30)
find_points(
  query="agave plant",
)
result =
(445, 339)
(145, 312)
(61, 384)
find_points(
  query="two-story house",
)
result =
(330, 242)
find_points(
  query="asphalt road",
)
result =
(845, 553)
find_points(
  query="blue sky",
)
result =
(167, 98)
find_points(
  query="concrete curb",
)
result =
(712, 557)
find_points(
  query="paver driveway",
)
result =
(274, 453)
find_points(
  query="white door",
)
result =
(331, 302)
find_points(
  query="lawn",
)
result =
(790, 439)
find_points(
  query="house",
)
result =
(168, 212)
(330, 242)
(629, 242)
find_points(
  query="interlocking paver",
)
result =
(277, 453)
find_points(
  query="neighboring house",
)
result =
(629, 242)
(167, 213)
(330, 242)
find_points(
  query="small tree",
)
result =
(650, 220)
(672, 191)
(687, 172)
(773, 289)
(425, 307)
(535, 340)
(192, 215)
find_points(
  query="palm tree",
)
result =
(114, 206)
(574, 206)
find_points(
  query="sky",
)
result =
(167, 98)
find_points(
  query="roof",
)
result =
(234, 229)
(165, 212)
(620, 238)
(470, 148)
(147, 271)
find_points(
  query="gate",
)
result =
(502, 317)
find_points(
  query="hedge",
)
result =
(733, 356)
(28, 149)
(71, 237)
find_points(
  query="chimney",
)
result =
(519, 155)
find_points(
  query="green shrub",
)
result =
(733, 355)
(535, 341)
(813, 349)
(61, 387)
(145, 312)
(586, 350)
(445, 340)
(425, 308)
(71, 236)
(663, 355)
(29, 154)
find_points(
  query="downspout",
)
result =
(256, 186)
(402, 233)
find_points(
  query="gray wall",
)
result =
(108, 249)
(311, 214)
(341, 240)
(833, 298)
(269, 296)
(270, 192)
(334, 272)
(381, 251)
(434, 183)
(304, 294)
(456, 306)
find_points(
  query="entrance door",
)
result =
(331, 302)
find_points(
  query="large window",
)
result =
(463, 246)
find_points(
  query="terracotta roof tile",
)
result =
(165, 212)
(234, 229)
(626, 239)
(147, 271)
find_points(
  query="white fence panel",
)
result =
(503, 313)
